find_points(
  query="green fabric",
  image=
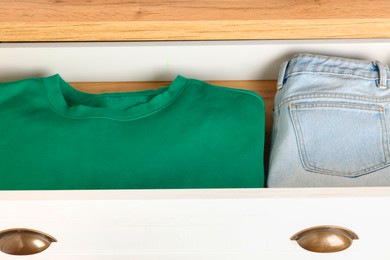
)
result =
(187, 135)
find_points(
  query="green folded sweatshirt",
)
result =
(190, 134)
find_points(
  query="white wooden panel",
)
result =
(150, 61)
(199, 224)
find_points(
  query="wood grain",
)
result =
(125, 20)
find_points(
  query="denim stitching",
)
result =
(349, 175)
(360, 61)
(327, 95)
(339, 105)
(330, 74)
(303, 153)
(275, 128)
(383, 133)
(385, 141)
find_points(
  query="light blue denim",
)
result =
(331, 123)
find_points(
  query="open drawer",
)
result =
(189, 224)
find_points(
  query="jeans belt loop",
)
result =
(382, 82)
(282, 73)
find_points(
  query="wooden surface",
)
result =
(123, 20)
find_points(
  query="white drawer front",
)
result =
(254, 224)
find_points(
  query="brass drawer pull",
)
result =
(325, 239)
(24, 241)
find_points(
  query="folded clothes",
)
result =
(331, 119)
(189, 134)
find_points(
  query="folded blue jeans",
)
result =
(331, 123)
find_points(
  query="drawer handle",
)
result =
(325, 239)
(24, 241)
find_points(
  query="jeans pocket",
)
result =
(340, 138)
